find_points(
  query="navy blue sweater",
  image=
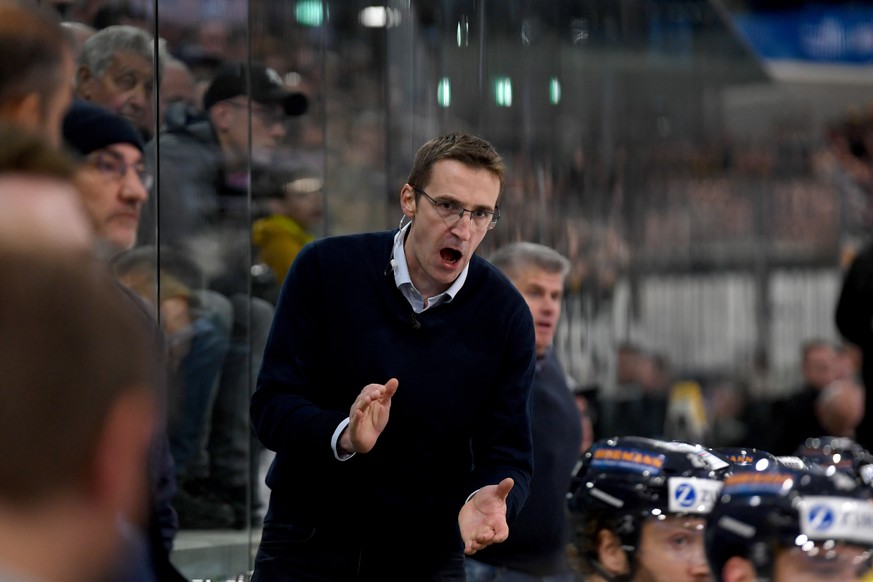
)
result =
(460, 418)
(538, 539)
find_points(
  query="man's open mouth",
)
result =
(450, 255)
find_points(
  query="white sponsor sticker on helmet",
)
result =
(692, 495)
(866, 473)
(697, 455)
(836, 518)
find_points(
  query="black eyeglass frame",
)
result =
(118, 167)
(447, 208)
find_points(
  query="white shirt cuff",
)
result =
(334, 441)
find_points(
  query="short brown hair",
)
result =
(467, 149)
(70, 346)
(33, 44)
(585, 528)
(24, 152)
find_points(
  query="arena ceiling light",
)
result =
(379, 17)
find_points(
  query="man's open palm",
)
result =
(483, 518)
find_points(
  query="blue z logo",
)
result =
(821, 518)
(685, 495)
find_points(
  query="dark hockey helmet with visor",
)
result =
(825, 519)
(627, 480)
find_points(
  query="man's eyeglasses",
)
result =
(452, 212)
(269, 116)
(113, 167)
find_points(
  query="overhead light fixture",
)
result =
(503, 91)
(309, 12)
(379, 17)
(444, 92)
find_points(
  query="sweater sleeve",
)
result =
(283, 413)
(502, 442)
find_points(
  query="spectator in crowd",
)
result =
(789, 523)
(839, 408)
(615, 416)
(537, 548)
(36, 70)
(687, 418)
(205, 165)
(76, 433)
(205, 176)
(797, 418)
(849, 361)
(112, 181)
(296, 207)
(178, 90)
(197, 345)
(639, 506)
(639, 407)
(116, 70)
(727, 404)
(421, 433)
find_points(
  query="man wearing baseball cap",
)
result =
(204, 218)
(205, 163)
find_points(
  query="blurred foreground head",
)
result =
(36, 71)
(40, 205)
(77, 414)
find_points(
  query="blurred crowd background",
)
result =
(706, 166)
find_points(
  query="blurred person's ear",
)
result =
(221, 115)
(120, 482)
(738, 569)
(610, 553)
(25, 112)
(83, 76)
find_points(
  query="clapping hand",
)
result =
(368, 417)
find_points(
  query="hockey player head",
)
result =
(639, 508)
(790, 522)
(843, 454)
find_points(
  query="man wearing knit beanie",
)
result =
(113, 184)
(113, 178)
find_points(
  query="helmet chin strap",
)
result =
(606, 575)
